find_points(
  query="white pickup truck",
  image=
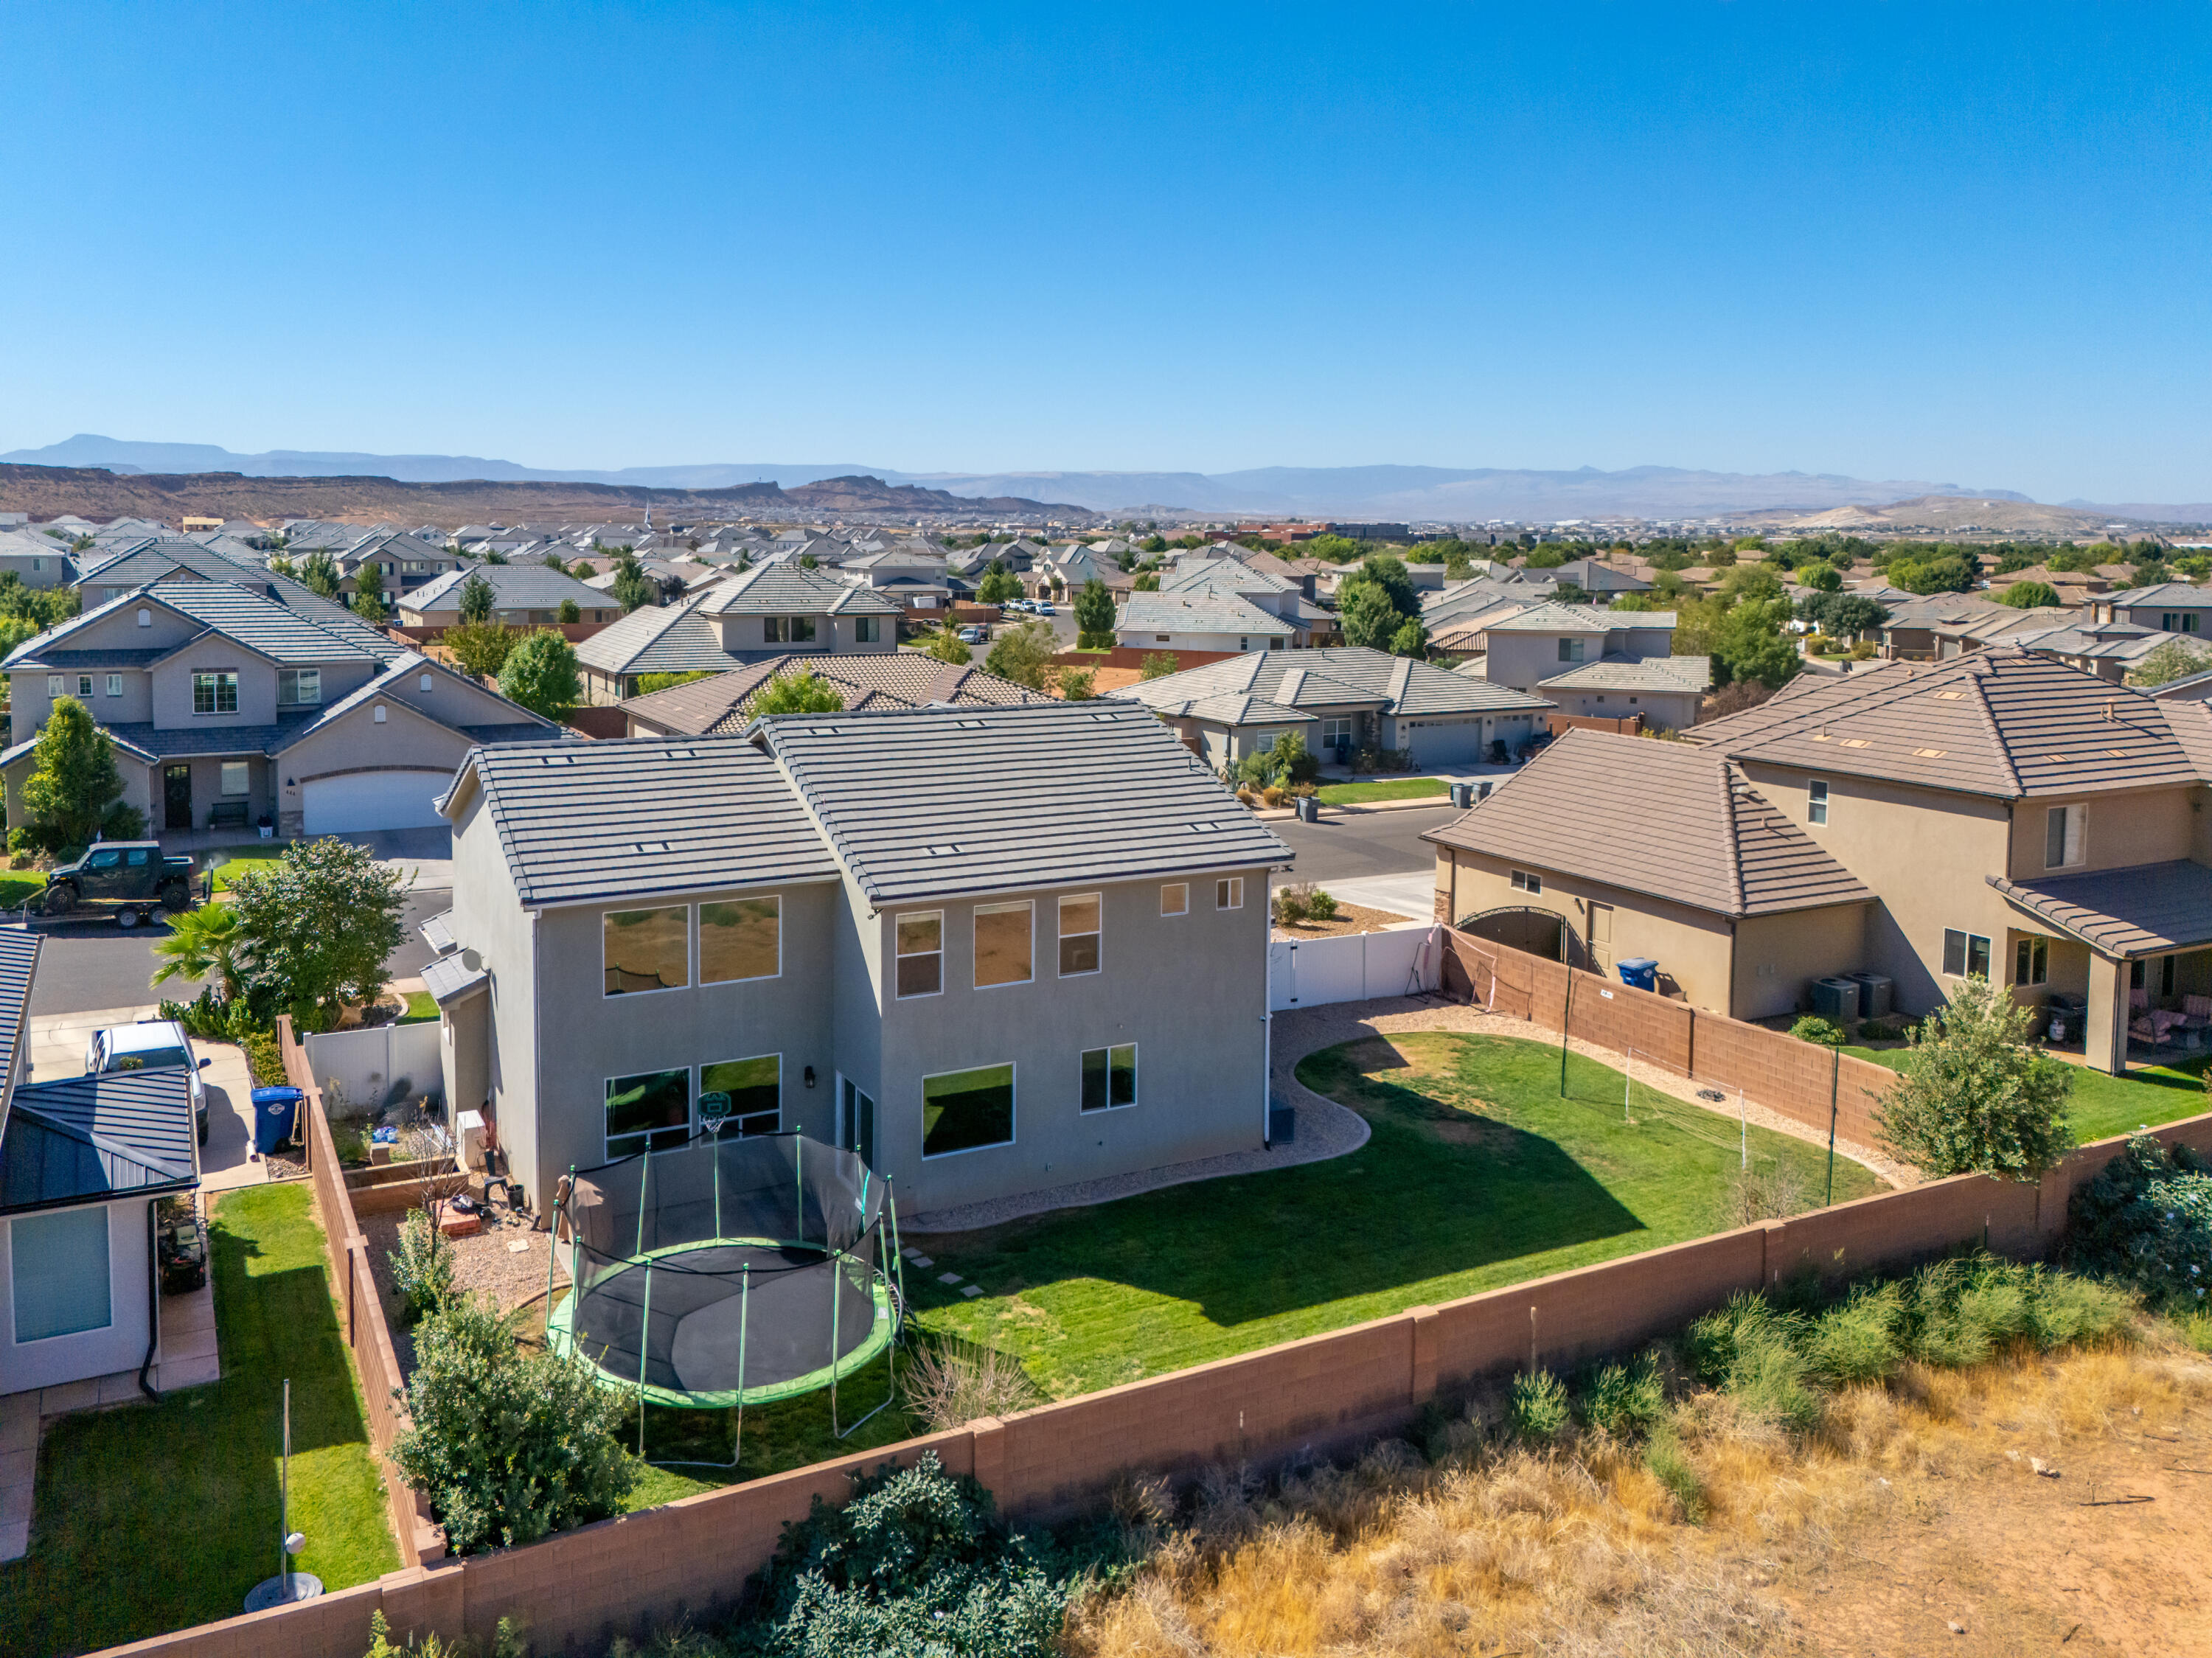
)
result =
(150, 1045)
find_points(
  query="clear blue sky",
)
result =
(1962, 244)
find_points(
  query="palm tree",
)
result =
(201, 943)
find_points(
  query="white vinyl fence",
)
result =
(1399, 962)
(378, 1067)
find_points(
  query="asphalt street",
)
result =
(90, 965)
(1373, 843)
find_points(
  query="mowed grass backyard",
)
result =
(2104, 1106)
(1478, 1173)
(1395, 788)
(152, 1517)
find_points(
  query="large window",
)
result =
(788, 629)
(2031, 961)
(60, 1273)
(654, 1109)
(1571, 650)
(867, 629)
(301, 688)
(2061, 837)
(645, 950)
(965, 1110)
(214, 693)
(755, 1089)
(1109, 1077)
(1078, 934)
(1003, 955)
(741, 939)
(236, 778)
(1966, 955)
(921, 953)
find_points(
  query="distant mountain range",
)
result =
(1469, 495)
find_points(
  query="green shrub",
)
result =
(507, 1642)
(1752, 1351)
(1626, 1400)
(510, 1447)
(422, 1266)
(1857, 1339)
(2146, 1221)
(1813, 1029)
(1321, 905)
(1538, 1412)
(1664, 1457)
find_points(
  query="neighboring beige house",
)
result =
(1526, 646)
(1666, 691)
(2010, 816)
(1201, 620)
(522, 596)
(717, 705)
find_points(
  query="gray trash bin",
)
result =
(1462, 795)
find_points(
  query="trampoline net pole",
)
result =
(644, 1346)
(799, 1188)
(836, 1286)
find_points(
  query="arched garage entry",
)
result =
(1544, 932)
(349, 803)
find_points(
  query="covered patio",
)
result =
(2148, 930)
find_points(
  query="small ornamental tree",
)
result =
(75, 783)
(318, 574)
(943, 645)
(1367, 615)
(998, 585)
(1158, 665)
(1076, 684)
(632, 588)
(369, 593)
(509, 1446)
(1149, 582)
(571, 611)
(476, 599)
(1094, 617)
(797, 693)
(1411, 639)
(1023, 655)
(481, 647)
(2029, 596)
(1974, 1096)
(315, 927)
(540, 673)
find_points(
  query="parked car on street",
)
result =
(1043, 607)
(129, 879)
(972, 635)
(150, 1045)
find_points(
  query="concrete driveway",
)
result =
(228, 1160)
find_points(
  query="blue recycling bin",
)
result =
(276, 1110)
(1640, 972)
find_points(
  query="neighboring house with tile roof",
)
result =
(231, 705)
(1666, 692)
(1199, 621)
(1607, 847)
(716, 705)
(522, 595)
(36, 560)
(1341, 700)
(1523, 646)
(994, 950)
(2173, 607)
(770, 611)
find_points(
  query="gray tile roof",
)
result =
(1199, 613)
(1347, 675)
(903, 677)
(1223, 575)
(2172, 595)
(513, 587)
(1549, 619)
(452, 977)
(1663, 819)
(658, 638)
(472, 697)
(785, 589)
(929, 802)
(438, 931)
(2001, 722)
(1651, 673)
(587, 821)
(2148, 910)
(89, 1138)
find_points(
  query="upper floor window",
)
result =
(1527, 881)
(1175, 898)
(2178, 622)
(921, 947)
(1571, 649)
(1003, 953)
(1078, 934)
(299, 688)
(84, 684)
(741, 938)
(214, 693)
(867, 629)
(1229, 892)
(788, 629)
(645, 950)
(1816, 801)
(57, 685)
(2061, 837)
(115, 685)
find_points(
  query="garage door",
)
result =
(373, 800)
(1443, 742)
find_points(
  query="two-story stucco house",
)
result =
(522, 596)
(777, 610)
(994, 949)
(2001, 815)
(237, 707)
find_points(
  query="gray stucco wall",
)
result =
(489, 918)
(121, 1345)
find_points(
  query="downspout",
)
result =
(537, 1002)
(153, 1303)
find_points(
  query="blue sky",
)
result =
(1960, 244)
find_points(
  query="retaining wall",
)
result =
(1324, 1393)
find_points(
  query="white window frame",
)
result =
(83, 686)
(1816, 800)
(1182, 904)
(1136, 1080)
(1229, 892)
(57, 685)
(937, 915)
(1014, 1113)
(296, 701)
(2069, 825)
(214, 676)
(975, 926)
(244, 769)
(1063, 935)
(691, 951)
(20, 1253)
(1967, 941)
(2031, 960)
(115, 685)
(1528, 881)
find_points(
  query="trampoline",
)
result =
(730, 1273)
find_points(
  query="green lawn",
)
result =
(2105, 1106)
(240, 861)
(421, 1008)
(17, 885)
(152, 1517)
(1478, 1173)
(1396, 788)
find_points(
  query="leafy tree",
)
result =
(1821, 576)
(481, 647)
(1158, 665)
(1975, 1096)
(1545, 558)
(203, 943)
(2174, 659)
(945, 645)
(1845, 616)
(1363, 611)
(476, 598)
(368, 592)
(75, 783)
(1389, 574)
(1636, 602)
(318, 574)
(315, 925)
(1751, 644)
(495, 556)
(2029, 595)
(1149, 582)
(1024, 655)
(540, 673)
(509, 1446)
(998, 585)
(1571, 593)
(1155, 544)
(808, 561)
(553, 562)
(571, 611)
(797, 693)
(1094, 616)
(632, 588)
(649, 683)
(1411, 639)
(1947, 574)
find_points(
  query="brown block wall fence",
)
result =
(1322, 1393)
(1798, 1079)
